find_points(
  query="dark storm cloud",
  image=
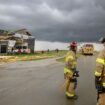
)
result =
(55, 20)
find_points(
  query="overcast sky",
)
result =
(45, 45)
(55, 20)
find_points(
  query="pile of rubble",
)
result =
(6, 59)
(29, 58)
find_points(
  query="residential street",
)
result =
(39, 83)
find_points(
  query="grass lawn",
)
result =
(34, 56)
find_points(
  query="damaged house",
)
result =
(20, 40)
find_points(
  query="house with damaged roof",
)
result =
(18, 41)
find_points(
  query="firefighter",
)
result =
(70, 72)
(100, 75)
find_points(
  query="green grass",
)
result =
(37, 55)
(51, 53)
(61, 60)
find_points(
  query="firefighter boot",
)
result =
(71, 96)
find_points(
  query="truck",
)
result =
(88, 49)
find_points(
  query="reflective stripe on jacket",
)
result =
(68, 72)
(100, 66)
(101, 61)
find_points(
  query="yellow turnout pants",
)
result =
(70, 91)
(101, 100)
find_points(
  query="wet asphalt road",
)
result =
(39, 83)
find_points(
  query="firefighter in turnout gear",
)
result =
(100, 75)
(70, 73)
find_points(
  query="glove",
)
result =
(98, 84)
(76, 73)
